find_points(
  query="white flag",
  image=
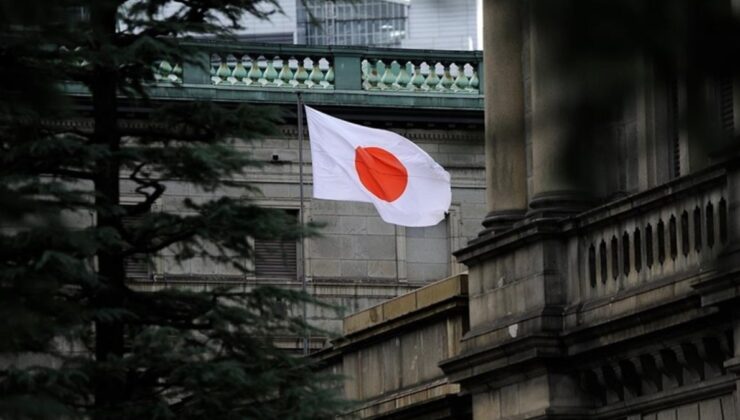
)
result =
(356, 163)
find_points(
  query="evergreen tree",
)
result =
(77, 340)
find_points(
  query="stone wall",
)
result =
(389, 353)
(358, 260)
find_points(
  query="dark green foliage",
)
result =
(77, 340)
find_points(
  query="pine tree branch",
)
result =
(162, 243)
(144, 184)
(70, 173)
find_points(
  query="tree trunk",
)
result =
(108, 333)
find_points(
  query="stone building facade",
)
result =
(430, 97)
(617, 301)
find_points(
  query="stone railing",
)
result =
(273, 66)
(448, 82)
(678, 229)
(267, 70)
(420, 75)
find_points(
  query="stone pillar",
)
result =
(554, 90)
(504, 114)
(733, 364)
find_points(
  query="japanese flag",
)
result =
(356, 163)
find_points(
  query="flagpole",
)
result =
(302, 216)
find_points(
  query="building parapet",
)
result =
(406, 304)
(389, 353)
(325, 75)
(624, 304)
(677, 229)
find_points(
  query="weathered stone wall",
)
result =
(389, 353)
(358, 260)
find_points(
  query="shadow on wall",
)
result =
(603, 65)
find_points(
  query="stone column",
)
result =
(504, 114)
(554, 90)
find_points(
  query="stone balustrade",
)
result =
(676, 230)
(257, 70)
(424, 76)
(270, 66)
(364, 77)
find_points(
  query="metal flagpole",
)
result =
(302, 216)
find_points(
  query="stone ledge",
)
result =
(407, 398)
(403, 305)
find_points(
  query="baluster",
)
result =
(446, 82)
(262, 64)
(364, 73)
(223, 72)
(417, 81)
(474, 82)
(270, 75)
(461, 81)
(373, 78)
(176, 75)
(81, 61)
(214, 67)
(316, 76)
(328, 82)
(163, 70)
(301, 75)
(285, 77)
(255, 74)
(239, 72)
(403, 78)
(432, 80)
(386, 82)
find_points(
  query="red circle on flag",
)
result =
(381, 172)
